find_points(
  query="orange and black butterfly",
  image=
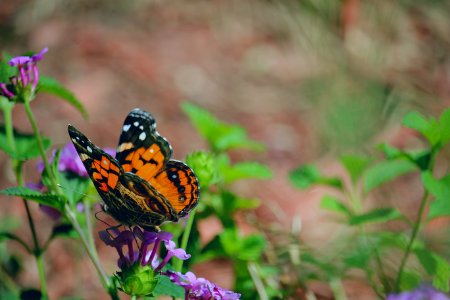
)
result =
(142, 185)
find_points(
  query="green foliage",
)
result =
(6, 71)
(369, 245)
(52, 200)
(220, 136)
(167, 288)
(26, 146)
(440, 189)
(355, 165)
(335, 205)
(52, 86)
(244, 170)
(216, 172)
(436, 266)
(437, 132)
(386, 171)
(378, 215)
(305, 176)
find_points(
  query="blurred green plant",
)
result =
(369, 248)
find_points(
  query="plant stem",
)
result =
(338, 289)
(17, 165)
(252, 269)
(73, 220)
(178, 264)
(89, 228)
(414, 233)
(7, 114)
(37, 135)
(41, 271)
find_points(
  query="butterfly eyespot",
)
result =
(182, 189)
(174, 176)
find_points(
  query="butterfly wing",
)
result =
(141, 150)
(103, 169)
(179, 185)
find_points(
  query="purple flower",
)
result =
(28, 75)
(70, 161)
(140, 270)
(200, 288)
(124, 238)
(424, 292)
(148, 248)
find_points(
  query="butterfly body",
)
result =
(141, 185)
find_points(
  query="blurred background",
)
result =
(311, 79)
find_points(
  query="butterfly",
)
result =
(142, 185)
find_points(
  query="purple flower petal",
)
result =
(200, 288)
(423, 292)
(177, 252)
(70, 161)
(38, 56)
(19, 61)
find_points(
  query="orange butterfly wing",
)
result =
(142, 151)
(178, 183)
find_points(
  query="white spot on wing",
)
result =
(136, 123)
(89, 149)
(105, 162)
(174, 176)
(73, 140)
(141, 127)
(151, 150)
(142, 136)
(126, 127)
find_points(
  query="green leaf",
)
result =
(252, 247)
(355, 165)
(376, 216)
(74, 186)
(440, 189)
(386, 171)
(444, 124)
(26, 145)
(430, 129)
(220, 136)
(335, 205)
(6, 71)
(305, 176)
(205, 167)
(436, 266)
(245, 170)
(410, 281)
(421, 157)
(52, 86)
(212, 250)
(45, 199)
(168, 288)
